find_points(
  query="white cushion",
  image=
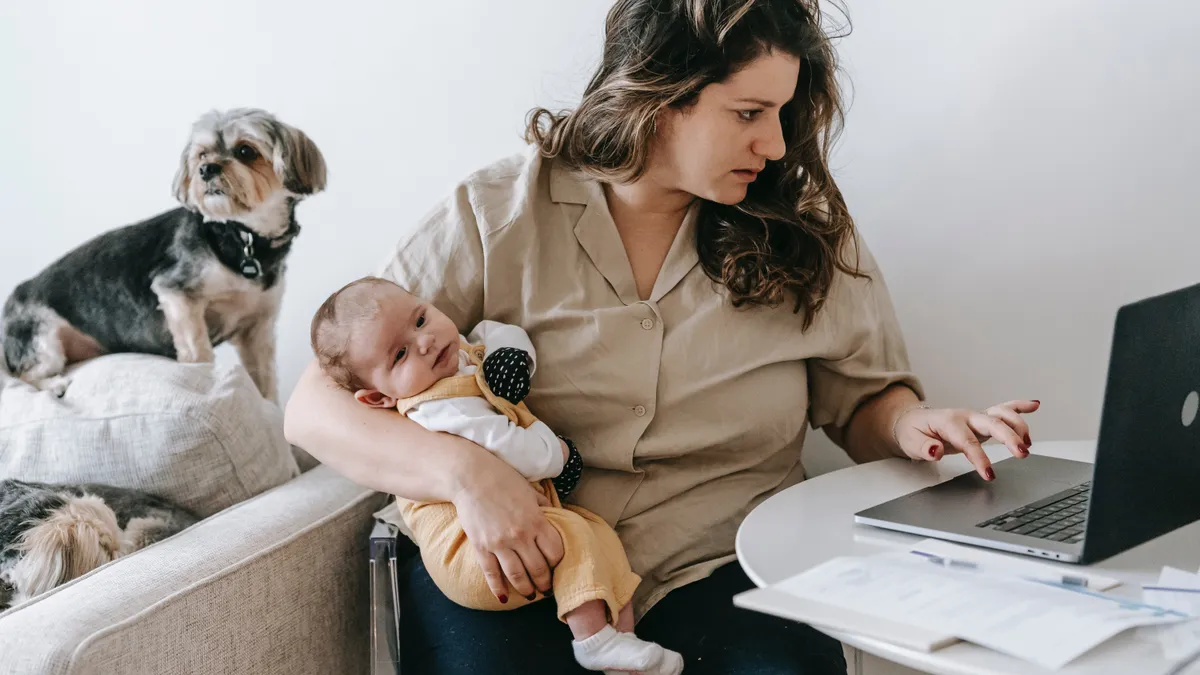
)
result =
(197, 434)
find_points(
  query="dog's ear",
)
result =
(183, 178)
(298, 163)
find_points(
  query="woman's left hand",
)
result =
(930, 433)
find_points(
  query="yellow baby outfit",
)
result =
(594, 564)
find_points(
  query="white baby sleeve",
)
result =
(495, 335)
(535, 452)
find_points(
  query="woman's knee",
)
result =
(440, 637)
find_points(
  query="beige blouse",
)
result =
(688, 412)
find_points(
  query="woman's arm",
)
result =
(868, 435)
(894, 424)
(384, 451)
(375, 448)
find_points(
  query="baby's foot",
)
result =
(611, 651)
(671, 663)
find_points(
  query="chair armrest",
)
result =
(275, 584)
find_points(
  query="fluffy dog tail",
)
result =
(75, 539)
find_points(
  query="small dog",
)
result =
(52, 533)
(184, 281)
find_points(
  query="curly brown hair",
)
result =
(786, 237)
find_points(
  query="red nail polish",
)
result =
(531, 596)
(502, 598)
(933, 452)
(1037, 401)
(991, 475)
(1027, 441)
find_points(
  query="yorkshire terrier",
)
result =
(53, 533)
(186, 280)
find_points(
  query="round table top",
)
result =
(811, 522)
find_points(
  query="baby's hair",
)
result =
(333, 326)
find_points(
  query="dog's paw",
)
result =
(56, 385)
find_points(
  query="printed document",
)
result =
(1047, 624)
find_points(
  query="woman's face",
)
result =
(715, 148)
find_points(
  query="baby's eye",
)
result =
(420, 321)
(400, 354)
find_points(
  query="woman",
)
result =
(692, 281)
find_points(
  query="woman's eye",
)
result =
(420, 321)
(400, 354)
(245, 153)
(748, 115)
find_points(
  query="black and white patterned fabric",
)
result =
(506, 372)
(566, 481)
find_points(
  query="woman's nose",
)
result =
(771, 144)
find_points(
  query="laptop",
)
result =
(1144, 483)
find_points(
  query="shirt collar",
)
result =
(597, 234)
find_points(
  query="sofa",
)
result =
(273, 579)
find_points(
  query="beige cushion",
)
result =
(197, 434)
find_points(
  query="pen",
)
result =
(1171, 589)
(1065, 579)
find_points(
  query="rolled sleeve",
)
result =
(869, 354)
(441, 260)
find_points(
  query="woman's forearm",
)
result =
(868, 435)
(376, 448)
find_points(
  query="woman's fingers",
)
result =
(493, 575)
(999, 430)
(514, 571)
(956, 432)
(550, 543)
(1014, 421)
(536, 565)
(1022, 406)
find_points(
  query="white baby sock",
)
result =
(609, 650)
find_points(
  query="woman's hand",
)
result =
(499, 511)
(930, 433)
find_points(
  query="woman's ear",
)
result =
(374, 398)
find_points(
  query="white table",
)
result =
(812, 522)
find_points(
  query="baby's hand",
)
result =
(506, 372)
(566, 481)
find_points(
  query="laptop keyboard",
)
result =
(1059, 517)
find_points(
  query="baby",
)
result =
(395, 351)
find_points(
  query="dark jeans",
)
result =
(699, 621)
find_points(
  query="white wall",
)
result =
(1019, 168)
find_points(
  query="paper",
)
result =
(771, 600)
(1171, 592)
(1021, 566)
(1045, 624)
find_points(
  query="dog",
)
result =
(53, 533)
(182, 282)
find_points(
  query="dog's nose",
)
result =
(207, 171)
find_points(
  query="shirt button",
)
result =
(647, 323)
(640, 410)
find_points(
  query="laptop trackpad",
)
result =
(968, 499)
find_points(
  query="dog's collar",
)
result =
(244, 249)
(250, 267)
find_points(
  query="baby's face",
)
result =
(407, 347)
